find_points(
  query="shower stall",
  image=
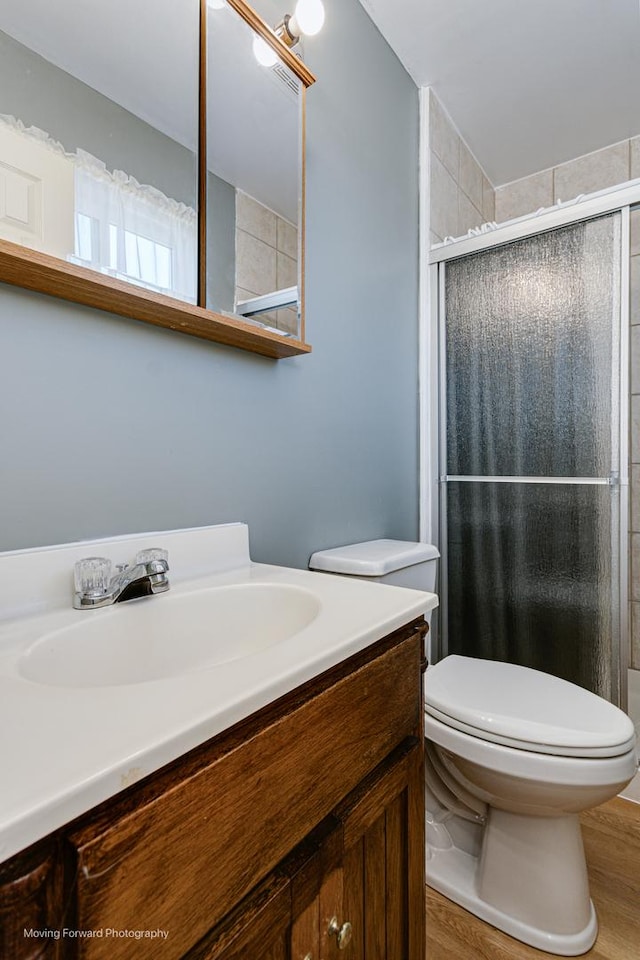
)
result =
(531, 442)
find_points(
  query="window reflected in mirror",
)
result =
(98, 136)
(254, 182)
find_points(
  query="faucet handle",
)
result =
(153, 553)
(92, 576)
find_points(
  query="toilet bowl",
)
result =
(513, 756)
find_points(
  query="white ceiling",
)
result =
(529, 83)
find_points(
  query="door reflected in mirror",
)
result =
(98, 136)
(254, 178)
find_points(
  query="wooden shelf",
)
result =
(33, 270)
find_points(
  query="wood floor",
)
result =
(612, 843)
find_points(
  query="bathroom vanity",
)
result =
(295, 831)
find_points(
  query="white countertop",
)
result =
(65, 749)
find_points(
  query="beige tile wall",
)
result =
(266, 257)
(596, 171)
(461, 195)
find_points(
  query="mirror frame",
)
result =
(33, 270)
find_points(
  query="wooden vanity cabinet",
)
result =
(296, 835)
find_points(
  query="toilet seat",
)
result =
(532, 765)
(542, 748)
(524, 709)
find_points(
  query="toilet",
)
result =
(513, 756)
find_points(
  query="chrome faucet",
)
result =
(95, 587)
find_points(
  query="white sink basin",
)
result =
(168, 636)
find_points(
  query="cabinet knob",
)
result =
(342, 933)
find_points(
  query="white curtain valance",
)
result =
(125, 228)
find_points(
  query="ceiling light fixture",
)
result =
(307, 19)
(310, 16)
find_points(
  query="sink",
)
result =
(168, 636)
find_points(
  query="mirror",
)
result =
(108, 177)
(254, 176)
(98, 164)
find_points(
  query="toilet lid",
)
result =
(526, 708)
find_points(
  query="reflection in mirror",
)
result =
(254, 117)
(98, 136)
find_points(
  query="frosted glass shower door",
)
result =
(530, 502)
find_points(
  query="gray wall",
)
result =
(42, 95)
(110, 426)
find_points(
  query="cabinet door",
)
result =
(319, 931)
(293, 913)
(362, 895)
(317, 894)
(384, 856)
(305, 933)
(258, 928)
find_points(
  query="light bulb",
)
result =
(264, 54)
(309, 16)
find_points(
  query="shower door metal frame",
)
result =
(604, 202)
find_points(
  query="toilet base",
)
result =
(472, 881)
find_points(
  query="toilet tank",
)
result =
(402, 563)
